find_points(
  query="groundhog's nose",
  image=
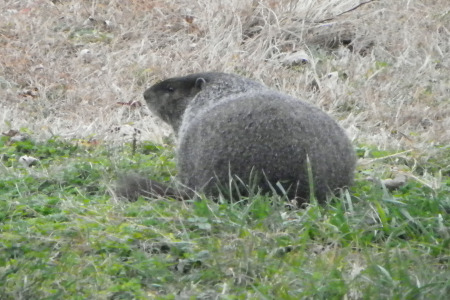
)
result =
(146, 94)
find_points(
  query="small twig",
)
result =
(384, 157)
(134, 142)
(347, 11)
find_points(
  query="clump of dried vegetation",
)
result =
(78, 68)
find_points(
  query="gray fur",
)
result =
(231, 125)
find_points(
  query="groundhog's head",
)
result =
(169, 98)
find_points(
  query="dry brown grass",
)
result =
(65, 65)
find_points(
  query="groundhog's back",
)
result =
(270, 133)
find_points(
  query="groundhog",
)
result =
(236, 135)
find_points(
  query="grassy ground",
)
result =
(64, 237)
(69, 72)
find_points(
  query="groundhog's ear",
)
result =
(200, 83)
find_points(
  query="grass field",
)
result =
(72, 74)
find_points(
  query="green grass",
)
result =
(63, 236)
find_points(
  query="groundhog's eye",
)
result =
(170, 89)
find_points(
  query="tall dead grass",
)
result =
(73, 68)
